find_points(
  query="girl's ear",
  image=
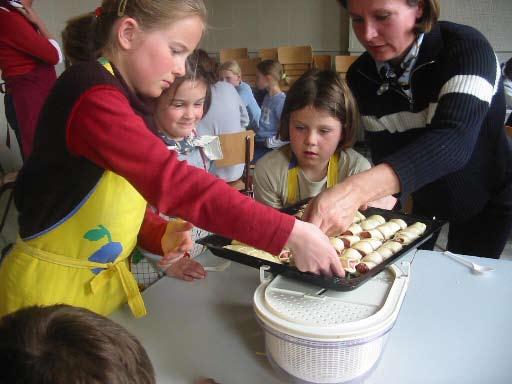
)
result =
(127, 33)
(419, 10)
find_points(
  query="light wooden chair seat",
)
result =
(295, 61)
(249, 68)
(322, 62)
(238, 148)
(343, 63)
(233, 54)
(267, 53)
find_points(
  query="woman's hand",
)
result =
(333, 210)
(185, 269)
(312, 251)
(176, 240)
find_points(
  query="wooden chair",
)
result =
(322, 62)
(248, 67)
(508, 131)
(295, 60)
(238, 148)
(267, 53)
(233, 54)
(343, 63)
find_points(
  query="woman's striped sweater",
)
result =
(446, 143)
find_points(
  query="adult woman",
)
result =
(432, 106)
(28, 54)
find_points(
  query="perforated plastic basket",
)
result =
(314, 335)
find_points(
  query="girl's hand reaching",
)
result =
(176, 240)
(185, 269)
(312, 250)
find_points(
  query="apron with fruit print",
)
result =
(83, 260)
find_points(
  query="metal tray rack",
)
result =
(215, 243)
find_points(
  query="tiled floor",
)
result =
(10, 230)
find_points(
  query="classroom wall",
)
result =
(255, 24)
(491, 17)
(270, 23)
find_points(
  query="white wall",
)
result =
(491, 17)
(269, 23)
(255, 24)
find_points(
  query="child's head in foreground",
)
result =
(62, 344)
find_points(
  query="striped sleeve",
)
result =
(470, 77)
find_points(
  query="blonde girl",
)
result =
(320, 119)
(268, 76)
(230, 72)
(97, 162)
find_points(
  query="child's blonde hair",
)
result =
(271, 68)
(323, 90)
(150, 14)
(231, 65)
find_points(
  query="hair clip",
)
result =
(98, 12)
(122, 7)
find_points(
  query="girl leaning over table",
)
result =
(97, 162)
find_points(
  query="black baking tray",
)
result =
(215, 243)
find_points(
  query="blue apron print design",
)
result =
(108, 252)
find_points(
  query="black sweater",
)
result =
(446, 143)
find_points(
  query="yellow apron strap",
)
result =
(293, 178)
(129, 284)
(106, 64)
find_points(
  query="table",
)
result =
(454, 327)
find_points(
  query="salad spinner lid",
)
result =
(296, 305)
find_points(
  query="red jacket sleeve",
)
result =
(151, 232)
(104, 129)
(19, 33)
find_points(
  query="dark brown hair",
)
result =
(150, 14)
(431, 12)
(271, 68)
(194, 72)
(62, 344)
(208, 64)
(324, 90)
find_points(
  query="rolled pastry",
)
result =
(395, 246)
(374, 257)
(417, 227)
(388, 229)
(405, 236)
(353, 230)
(367, 246)
(337, 243)
(372, 234)
(358, 217)
(349, 264)
(350, 253)
(369, 224)
(385, 252)
(402, 224)
(378, 218)
(349, 240)
(364, 267)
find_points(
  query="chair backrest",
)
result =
(267, 53)
(508, 131)
(238, 148)
(295, 60)
(343, 63)
(233, 54)
(322, 62)
(248, 67)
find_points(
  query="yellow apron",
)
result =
(83, 260)
(293, 194)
